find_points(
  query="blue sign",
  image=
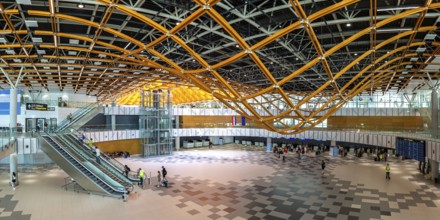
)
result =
(243, 121)
(4, 102)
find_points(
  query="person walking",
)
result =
(323, 166)
(164, 173)
(387, 170)
(98, 154)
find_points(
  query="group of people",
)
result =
(282, 151)
(381, 156)
(161, 176)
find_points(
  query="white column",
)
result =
(13, 109)
(13, 166)
(269, 145)
(113, 117)
(177, 141)
(434, 113)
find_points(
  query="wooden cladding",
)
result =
(133, 146)
(382, 123)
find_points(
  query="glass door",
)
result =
(30, 124)
(40, 124)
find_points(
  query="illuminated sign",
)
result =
(36, 106)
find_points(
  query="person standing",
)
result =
(164, 173)
(98, 154)
(126, 170)
(387, 170)
(90, 143)
(159, 179)
(323, 166)
(141, 176)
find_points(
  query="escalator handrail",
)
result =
(132, 175)
(78, 115)
(79, 112)
(83, 166)
(69, 140)
(77, 158)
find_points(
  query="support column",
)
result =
(269, 145)
(13, 110)
(13, 167)
(113, 117)
(434, 170)
(177, 141)
(434, 113)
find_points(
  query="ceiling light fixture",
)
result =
(80, 5)
(348, 25)
(355, 54)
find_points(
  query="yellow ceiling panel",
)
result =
(180, 94)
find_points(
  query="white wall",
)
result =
(60, 113)
(65, 95)
(134, 110)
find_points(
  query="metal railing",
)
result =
(76, 117)
(89, 155)
(65, 104)
(75, 134)
(107, 127)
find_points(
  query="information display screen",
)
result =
(411, 148)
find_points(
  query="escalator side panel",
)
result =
(73, 171)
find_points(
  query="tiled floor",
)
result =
(231, 183)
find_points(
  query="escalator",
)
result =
(111, 163)
(105, 166)
(84, 172)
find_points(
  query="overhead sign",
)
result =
(36, 106)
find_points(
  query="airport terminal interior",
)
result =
(219, 109)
